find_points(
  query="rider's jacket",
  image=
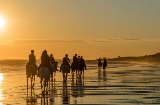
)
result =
(32, 58)
(45, 60)
(66, 60)
(75, 59)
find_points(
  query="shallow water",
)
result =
(119, 84)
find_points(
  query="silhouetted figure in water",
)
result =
(32, 59)
(104, 63)
(82, 65)
(74, 65)
(99, 64)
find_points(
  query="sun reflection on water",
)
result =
(1, 80)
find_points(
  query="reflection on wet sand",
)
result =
(1, 80)
(77, 87)
(65, 94)
(125, 85)
(102, 76)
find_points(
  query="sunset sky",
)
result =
(91, 28)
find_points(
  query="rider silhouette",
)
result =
(65, 61)
(45, 60)
(74, 64)
(32, 59)
(75, 59)
(82, 65)
(52, 60)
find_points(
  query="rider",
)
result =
(74, 64)
(45, 60)
(66, 61)
(75, 59)
(52, 60)
(32, 59)
(82, 65)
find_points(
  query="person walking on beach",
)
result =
(99, 64)
(104, 63)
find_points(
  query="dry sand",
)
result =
(138, 83)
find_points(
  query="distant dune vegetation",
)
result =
(148, 58)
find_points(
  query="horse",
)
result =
(30, 73)
(44, 75)
(74, 67)
(65, 70)
(54, 67)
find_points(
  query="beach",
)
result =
(121, 83)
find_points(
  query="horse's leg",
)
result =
(43, 90)
(31, 84)
(66, 76)
(27, 86)
(48, 85)
(34, 78)
(41, 83)
(63, 76)
(76, 72)
(52, 83)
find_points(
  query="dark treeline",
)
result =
(148, 58)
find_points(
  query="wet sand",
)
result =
(127, 84)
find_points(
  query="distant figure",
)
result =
(74, 65)
(104, 64)
(32, 59)
(99, 64)
(82, 65)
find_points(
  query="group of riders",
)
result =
(78, 65)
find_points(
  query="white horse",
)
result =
(44, 75)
